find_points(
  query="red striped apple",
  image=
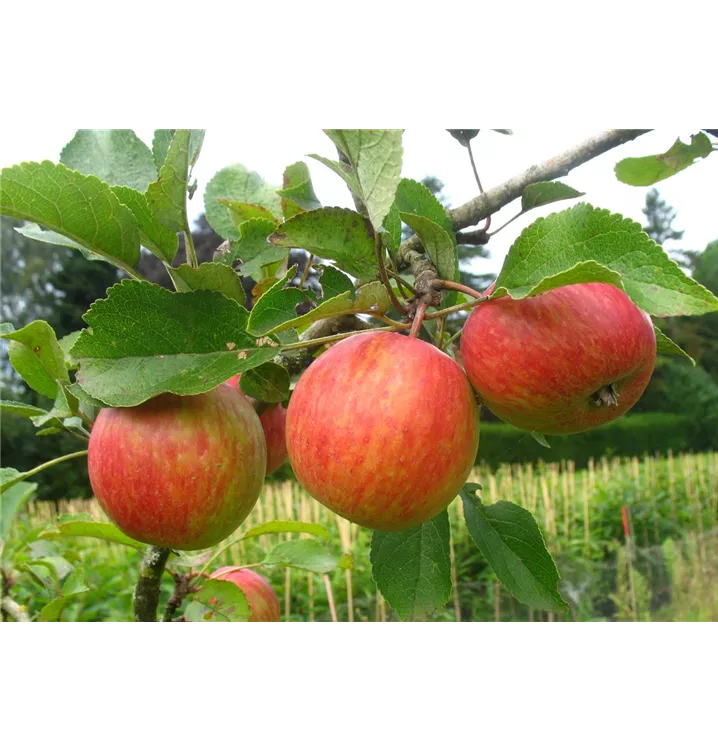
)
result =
(565, 361)
(383, 430)
(273, 420)
(263, 601)
(179, 471)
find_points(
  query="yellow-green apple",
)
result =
(273, 419)
(179, 471)
(565, 361)
(262, 599)
(383, 429)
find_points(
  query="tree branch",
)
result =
(147, 590)
(11, 608)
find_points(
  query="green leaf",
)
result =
(241, 212)
(238, 184)
(647, 170)
(64, 407)
(664, 345)
(92, 529)
(276, 306)
(117, 157)
(391, 236)
(22, 410)
(161, 144)
(412, 568)
(414, 198)
(167, 196)
(37, 233)
(37, 357)
(580, 243)
(345, 171)
(78, 206)
(146, 340)
(252, 247)
(224, 600)
(287, 527)
(83, 396)
(511, 541)
(13, 499)
(375, 156)
(297, 193)
(334, 282)
(306, 554)
(464, 137)
(268, 382)
(543, 193)
(73, 586)
(9, 477)
(212, 276)
(540, 438)
(336, 234)
(438, 244)
(154, 235)
(66, 343)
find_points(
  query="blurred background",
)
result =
(628, 510)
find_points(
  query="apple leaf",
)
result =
(168, 195)
(37, 357)
(268, 382)
(241, 212)
(154, 235)
(438, 245)
(276, 306)
(509, 538)
(334, 282)
(66, 343)
(108, 532)
(337, 234)
(212, 276)
(412, 568)
(117, 157)
(9, 477)
(297, 193)
(464, 137)
(22, 410)
(13, 499)
(238, 184)
(80, 207)
(375, 157)
(543, 193)
(413, 197)
(345, 171)
(252, 247)
(37, 233)
(664, 345)
(647, 170)
(223, 601)
(391, 236)
(161, 144)
(145, 340)
(306, 554)
(584, 243)
(72, 587)
(540, 438)
(287, 527)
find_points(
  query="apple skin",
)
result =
(383, 429)
(263, 600)
(273, 420)
(537, 363)
(179, 471)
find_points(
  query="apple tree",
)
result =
(382, 428)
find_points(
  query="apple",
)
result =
(383, 429)
(263, 600)
(179, 471)
(565, 361)
(273, 419)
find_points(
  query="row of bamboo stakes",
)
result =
(558, 495)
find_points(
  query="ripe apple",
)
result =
(179, 471)
(383, 429)
(565, 361)
(273, 420)
(263, 600)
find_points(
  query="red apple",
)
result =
(383, 430)
(273, 420)
(566, 361)
(263, 601)
(179, 471)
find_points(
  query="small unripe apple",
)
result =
(565, 361)
(273, 419)
(263, 600)
(383, 429)
(179, 471)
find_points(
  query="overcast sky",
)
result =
(693, 193)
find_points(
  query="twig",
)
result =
(330, 598)
(189, 245)
(444, 284)
(379, 248)
(11, 608)
(306, 271)
(147, 589)
(473, 165)
(42, 467)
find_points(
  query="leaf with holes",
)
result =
(224, 602)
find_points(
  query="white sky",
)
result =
(692, 193)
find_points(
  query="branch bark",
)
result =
(147, 590)
(11, 608)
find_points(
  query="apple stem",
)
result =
(444, 284)
(605, 396)
(147, 589)
(418, 319)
